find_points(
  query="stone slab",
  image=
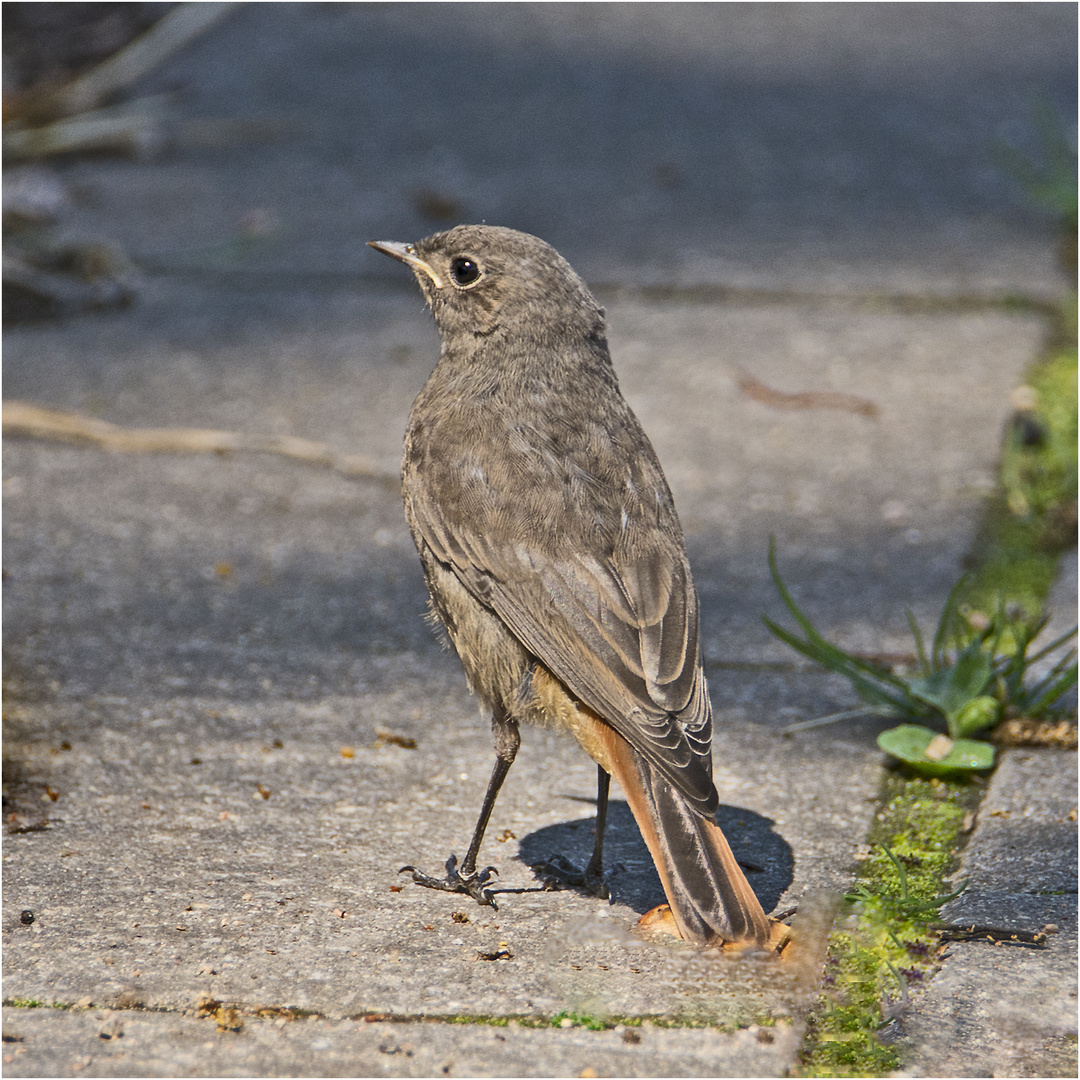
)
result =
(1025, 841)
(188, 853)
(108, 1043)
(169, 618)
(872, 514)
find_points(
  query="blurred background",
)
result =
(874, 202)
(734, 144)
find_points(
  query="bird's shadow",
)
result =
(765, 856)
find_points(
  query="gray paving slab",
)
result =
(1010, 1010)
(1026, 838)
(108, 1043)
(165, 874)
(886, 504)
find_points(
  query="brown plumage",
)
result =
(555, 559)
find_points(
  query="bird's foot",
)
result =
(474, 885)
(558, 872)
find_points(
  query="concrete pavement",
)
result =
(201, 652)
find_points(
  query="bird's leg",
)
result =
(507, 739)
(557, 870)
(594, 872)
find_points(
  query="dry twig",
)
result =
(32, 421)
(69, 118)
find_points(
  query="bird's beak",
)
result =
(406, 253)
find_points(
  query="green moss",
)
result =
(606, 1023)
(33, 1003)
(581, 1020)
(1031, 518)
(884, 947)
(487, 1021)
(589, 1022)
(919, 823)
(586, 1021)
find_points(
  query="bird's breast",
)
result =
(529, 458)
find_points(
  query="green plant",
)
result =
(904, 901)
(974, 674)
(1031, 517)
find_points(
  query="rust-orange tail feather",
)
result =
(708, 893)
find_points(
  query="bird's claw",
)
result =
(474, 885)
(558, 872)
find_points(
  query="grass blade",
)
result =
(899, 869)
(848, 714)
(945, 624)
(833, 659)
(1049, 689)
(1052, 646)
(920, 648)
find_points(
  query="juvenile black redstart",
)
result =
(555, 560)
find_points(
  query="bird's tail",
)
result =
(709, 896)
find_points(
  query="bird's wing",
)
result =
(622, 635)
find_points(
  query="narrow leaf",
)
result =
(920, 648)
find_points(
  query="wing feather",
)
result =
(622, 635)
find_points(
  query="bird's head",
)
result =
(483, 280)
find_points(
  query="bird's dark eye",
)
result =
(464, 271)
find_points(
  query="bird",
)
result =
(556, 562)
